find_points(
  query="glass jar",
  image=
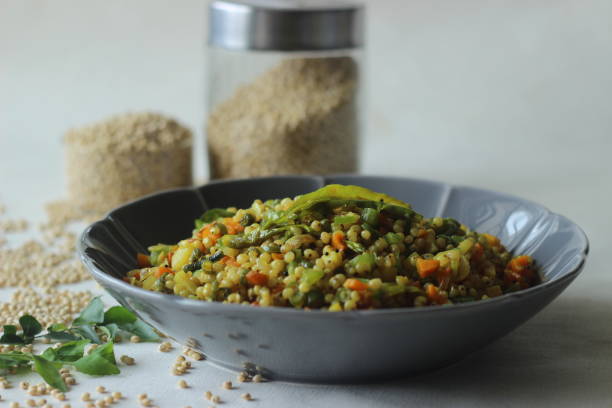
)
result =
(284, 86)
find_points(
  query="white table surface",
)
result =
(513, 96)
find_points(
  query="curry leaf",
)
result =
(101, 361)
(87, 332)
(10, 336)
(30, 326)
(49, 372)
(119, 315)
(93, 313)
(140, 329)
(71, 351)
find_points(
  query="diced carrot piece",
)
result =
(427, 267)
(256, 278)
(523, 260)
(338, 240)
(433, 293)
(229, 260)
(477, 252)
(143, 260)
(277, 256)
(355, 284)
(161, 270)
(205, 232)
(232, 226)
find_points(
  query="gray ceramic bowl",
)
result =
(320, 346)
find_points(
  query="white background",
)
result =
(508, 95)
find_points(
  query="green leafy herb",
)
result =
(355, 246)
(119, 315)
(30, 326)
(101, 361)
(140, 329)
(85, 329)
(49, 372)
(9, 335)
(93, 313)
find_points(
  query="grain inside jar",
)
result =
(299, 117)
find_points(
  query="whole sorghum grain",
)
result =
(298, 117)
(45, 268)
(124, 157)
(51, 306)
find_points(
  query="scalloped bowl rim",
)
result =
(213, 305)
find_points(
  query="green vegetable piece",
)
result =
(355, 246)
(30, 326)
(337, 195)
(9, 335)
(247, 220)
(315, 299)
(93, 313)
(119, 315)
(101, 361)
(392, 289)
(340, 192)
(346, 219)
(297, 300)
(253, 238)
(370, 216)
(367, 259)
(392, 238)
(312, 276)
(216, 256)
(158, 253)
(49, 372)
(214, 214)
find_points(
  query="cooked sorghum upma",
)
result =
(337, 248)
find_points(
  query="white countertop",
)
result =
(510, 96)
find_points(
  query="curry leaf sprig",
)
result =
(92, 324)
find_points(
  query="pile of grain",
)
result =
(48, 307)
(125, 157)
(299, 117)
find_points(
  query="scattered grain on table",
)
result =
(48, 307)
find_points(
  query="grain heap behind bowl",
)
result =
(124, 157)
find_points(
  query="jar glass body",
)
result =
(272, 113)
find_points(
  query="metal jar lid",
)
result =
(284, 25)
